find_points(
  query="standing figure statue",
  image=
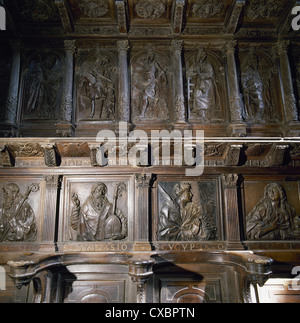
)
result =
(256, 90)
(153, 80)
(204, 96)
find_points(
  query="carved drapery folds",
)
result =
(43, 86)
(258, 80)
(150, 86)
(97, 218)
(186, 212)
(17, 218)
(96, 85)
(204, 91)
(273, 217)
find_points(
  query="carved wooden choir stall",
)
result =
(149, 151)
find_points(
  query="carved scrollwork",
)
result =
(150, 9)
(207, 9)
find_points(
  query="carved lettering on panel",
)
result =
(17, 218)
(273, 217)
(187, 212)
(97, 218)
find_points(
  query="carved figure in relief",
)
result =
(96, 88)
(98, 219)
(43, 88)
(207, 8)
(181, 219)
(17, 220)
(149, 84)
(256, 90)
(203, 93)
(273, 218)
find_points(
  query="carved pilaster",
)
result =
(66, 128)
(140, 272)
(124, 89)
(177, 19)
(236, 103)
(62, 7)
(180, 110)
(290, 106)
(232, 222)
(234, 17)
(52, 185)
(122, 16)
(142, 185)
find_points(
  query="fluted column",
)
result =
(66, 127)
(290, 106)
(180, 111)
(124, 88)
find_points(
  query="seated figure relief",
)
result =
(17, 219)
(181, 219)
(98, 219)
(273, 218)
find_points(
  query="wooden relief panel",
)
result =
(43, 86)
(190, 291)
(205, 87)
(96, 85)
(97, 209)
(187, 211)
(151, 86)
(21, 210)
(94, 291)
(272, 211)
(260, 88)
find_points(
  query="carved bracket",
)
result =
(140, 272)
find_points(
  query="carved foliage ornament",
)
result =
(261, 9)
(150, 9)
(93, 8)
(207, 8)
(273, 218)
